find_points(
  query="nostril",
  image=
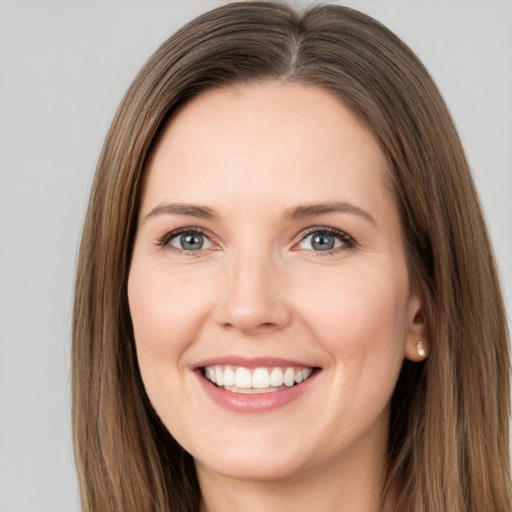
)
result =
(251, 314)
(262, 326)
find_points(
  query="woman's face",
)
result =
(268, 253)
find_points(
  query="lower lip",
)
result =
(257, 402)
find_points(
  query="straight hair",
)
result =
(449, 431)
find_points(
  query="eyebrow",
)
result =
(184, 210)
(311, 210)
(295, 213)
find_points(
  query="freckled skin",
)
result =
(258, 288)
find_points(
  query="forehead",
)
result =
(297, 141)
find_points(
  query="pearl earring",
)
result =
(421, 350)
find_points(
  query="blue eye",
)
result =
(189, 241)
(325, 240)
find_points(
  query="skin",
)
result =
(259, 288)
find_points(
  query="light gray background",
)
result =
(64, 66)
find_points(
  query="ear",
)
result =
(417, 344)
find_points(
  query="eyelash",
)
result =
(348, 241)
(165, 240)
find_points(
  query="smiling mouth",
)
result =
(238, 379)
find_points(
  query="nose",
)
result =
(253, 299)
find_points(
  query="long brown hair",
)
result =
(448, 445)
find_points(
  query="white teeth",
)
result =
(242, 378)
(276, 377)
(229, 377)
(289, 377)
(219, 376)
(302, 375)
(260, 380)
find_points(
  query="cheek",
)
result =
(166, 308)
(361, 323)
(167, 311)
(360, 313)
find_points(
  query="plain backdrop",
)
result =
(64, 66)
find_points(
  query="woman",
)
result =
(286, 296)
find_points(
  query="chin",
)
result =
(257, 469)
(255, 456)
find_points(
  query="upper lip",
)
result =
(251, 362)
